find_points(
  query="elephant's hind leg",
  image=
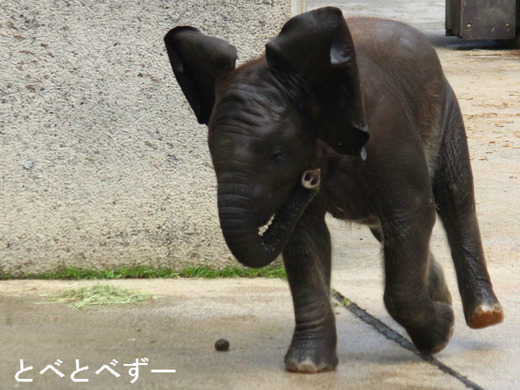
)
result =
(454, 197)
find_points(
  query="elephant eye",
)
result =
(277, 157)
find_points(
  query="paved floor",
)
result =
(426, 15)
(177, 330)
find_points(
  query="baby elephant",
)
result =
(353, 118)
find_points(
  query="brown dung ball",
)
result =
(222, 345)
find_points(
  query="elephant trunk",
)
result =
(241, 232)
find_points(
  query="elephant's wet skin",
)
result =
(289, 137)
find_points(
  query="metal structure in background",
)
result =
(483, 19)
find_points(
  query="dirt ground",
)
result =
(487, 83)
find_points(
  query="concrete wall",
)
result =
(102, 163)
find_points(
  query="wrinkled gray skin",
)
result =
(288, 134)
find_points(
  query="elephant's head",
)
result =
(264, 119)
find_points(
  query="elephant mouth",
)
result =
(278, 221)
(265, 227)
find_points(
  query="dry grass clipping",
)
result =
(100, 295)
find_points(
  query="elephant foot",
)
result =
(485, 315)
(436, 334)
(308, 366)
(484, 309)
(311, 356)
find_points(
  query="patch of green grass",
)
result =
(100, 295)
(345, 302)
(233, 272)
(140, 272)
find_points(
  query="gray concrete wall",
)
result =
(102, 163)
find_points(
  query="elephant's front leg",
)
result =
(307, 259)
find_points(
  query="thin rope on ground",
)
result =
(391, 334)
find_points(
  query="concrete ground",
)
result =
(178, 328)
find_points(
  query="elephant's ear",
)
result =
(318, 48)
(198, 61)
